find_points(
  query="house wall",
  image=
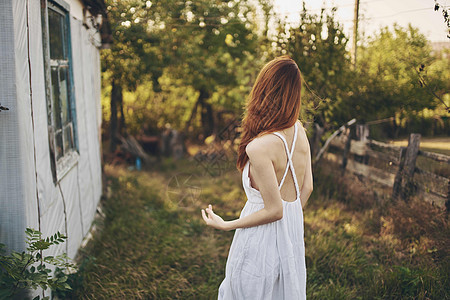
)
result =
(30, 198)
(12, 167)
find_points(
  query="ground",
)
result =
(153, 244)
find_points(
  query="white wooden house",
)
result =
(50, 150)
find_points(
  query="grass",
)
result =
(152, 246)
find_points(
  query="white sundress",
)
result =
(268, 261)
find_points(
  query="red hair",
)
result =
(273, 104)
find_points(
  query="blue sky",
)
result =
(376, 13)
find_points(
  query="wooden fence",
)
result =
(406, 170)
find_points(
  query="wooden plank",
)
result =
(425, 188)
(338, 142)
(383, 156)
(436, 156)
(358, 147)
(384, 145)
(432, 175)
(393, 152)
(432, 196)
(370, 172)
(327, 142)
(380, 121)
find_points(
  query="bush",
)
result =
(28, 269)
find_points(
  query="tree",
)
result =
(137, 52)
(200, 45)
(389, 77)
(210, 41)
(318, 45)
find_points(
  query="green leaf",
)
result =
(14, 271)
(17, 255)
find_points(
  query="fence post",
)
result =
(410, 164)
(447, 203)
(403, 183)
(398, 177)
(346, 149)
(362, 134)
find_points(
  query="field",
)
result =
(152, 243)
(431, 144)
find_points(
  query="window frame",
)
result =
(60, 166)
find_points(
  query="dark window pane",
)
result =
(56, 28)
(68, 138)
(56, 40)
(64, 95)
(58, 145)
(56, 105)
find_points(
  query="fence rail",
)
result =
(391, 166)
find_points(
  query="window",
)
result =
(59, 86)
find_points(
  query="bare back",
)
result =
(301, 158)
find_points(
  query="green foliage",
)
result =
(172, 48)
(74, 279)
(187, 63)
(137, 51)
(392, 69)
(203, 55)
(28, 269)
(318, 45)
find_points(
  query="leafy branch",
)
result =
(445, 14)
(28, 269)
(423, 83)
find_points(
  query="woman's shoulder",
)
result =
(301, 125)
(263, 144)
(268, 142)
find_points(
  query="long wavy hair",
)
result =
(273, 104)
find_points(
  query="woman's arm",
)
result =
(307, 187)
(264, 175)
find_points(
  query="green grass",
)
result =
(152, 247)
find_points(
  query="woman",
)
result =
(267, 255)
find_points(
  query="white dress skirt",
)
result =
(268, 261)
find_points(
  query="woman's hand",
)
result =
(213, 220)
